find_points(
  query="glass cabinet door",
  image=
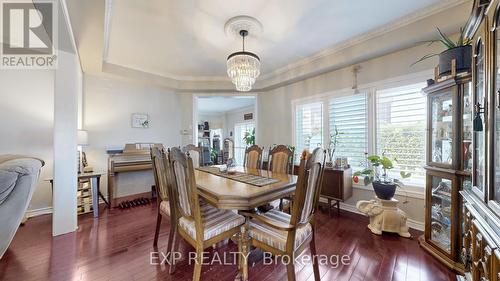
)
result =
(479, 164)
(496, 147)
(467, 127)
(442, 128)
(441, 221)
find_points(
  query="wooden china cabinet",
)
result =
(480, 251)
(449, 165)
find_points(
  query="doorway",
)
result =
(220, 118)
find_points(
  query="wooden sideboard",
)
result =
(337, 186)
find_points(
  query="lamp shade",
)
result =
(83, 137)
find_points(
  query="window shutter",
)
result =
(401, 130)
(308, 127)
(349, 116)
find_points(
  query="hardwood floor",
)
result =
(117, 246)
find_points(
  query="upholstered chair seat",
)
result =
(274, 237)
(214, 221)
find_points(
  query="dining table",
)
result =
(224, 192)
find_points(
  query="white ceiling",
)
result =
(220, 104)
(185, 39)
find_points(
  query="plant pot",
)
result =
(462, 56)
(384, 191)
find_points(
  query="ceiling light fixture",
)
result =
(243, 67)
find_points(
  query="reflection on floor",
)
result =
(118, 246)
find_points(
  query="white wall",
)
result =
(215, 120)
(26, 122)
(108, 105)
(236, 116)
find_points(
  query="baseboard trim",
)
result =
(38, 212)
(414, 224)
(46, 211)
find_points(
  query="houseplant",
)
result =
(332, 145)
(249, 137)
(460, 50)
(383, 185)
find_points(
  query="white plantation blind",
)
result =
(401, 130)
(308, 127)
(349, 116)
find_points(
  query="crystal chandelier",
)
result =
(243, 67)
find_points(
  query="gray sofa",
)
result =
(18, 179)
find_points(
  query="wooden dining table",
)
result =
(227, 193)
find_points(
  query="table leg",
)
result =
(243, 249)
(94, 185)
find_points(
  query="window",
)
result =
(308, 127)
(401, 130)
(349, 116)
(239, 144)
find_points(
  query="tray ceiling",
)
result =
(185, 40)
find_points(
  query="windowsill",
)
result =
(416, 192)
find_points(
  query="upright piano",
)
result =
(134, 157)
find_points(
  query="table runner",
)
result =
(239, 176)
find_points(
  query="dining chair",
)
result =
(253, 157)
(166, 198)
(196, 154)
(201, 225)
(228, 150)
(281, 161)
(288, 235)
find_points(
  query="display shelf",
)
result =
(448, 159)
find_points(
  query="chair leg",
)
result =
(290, 270)
(281, 204)
(157, 231)
(197, 265)
(314, 258)
(170, 250)
(174, 249)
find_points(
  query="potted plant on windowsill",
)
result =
(461, 51)
(332, 145)
(383, 185)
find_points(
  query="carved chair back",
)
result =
(196, 153)
(159, 173)
(308, 188)
(281, 159)
(185, 186)
(253, 157)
